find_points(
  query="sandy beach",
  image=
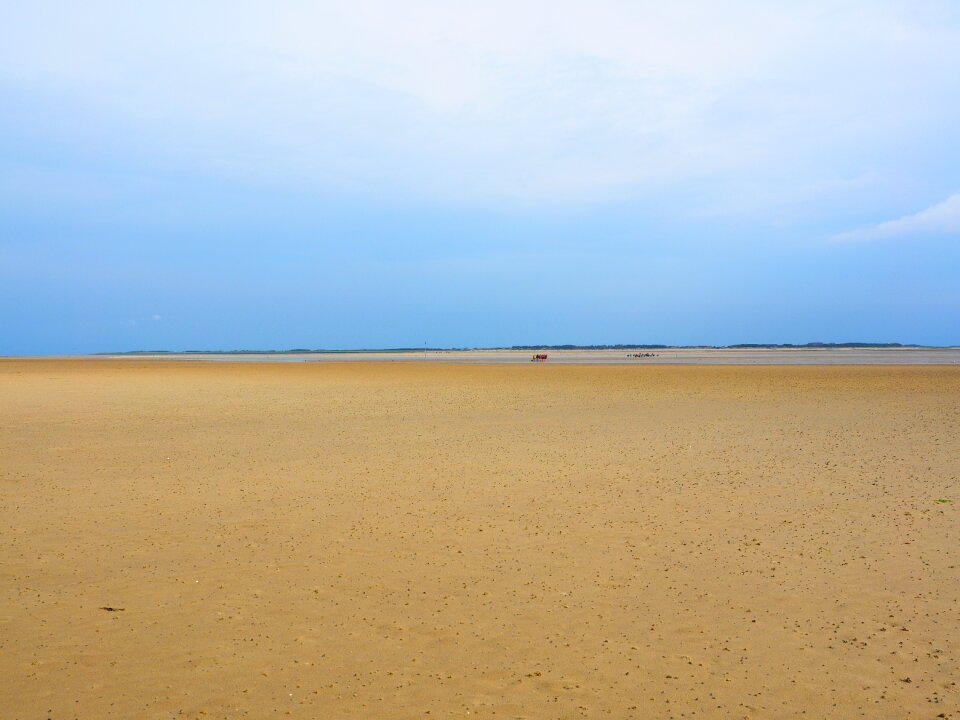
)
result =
(638, 356)
(188, 539)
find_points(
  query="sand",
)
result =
(374, 540)
(669, 356)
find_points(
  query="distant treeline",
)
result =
(621, 346)
(821, 345)
(739, 346)
(587, 347)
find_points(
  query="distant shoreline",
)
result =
(563, 355)
(517, 348)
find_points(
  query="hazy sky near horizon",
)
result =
(381, 174)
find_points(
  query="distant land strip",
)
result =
(621, 346)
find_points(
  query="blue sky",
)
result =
(377, 174)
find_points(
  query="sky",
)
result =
(363, 174)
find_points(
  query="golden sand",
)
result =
(371, 540)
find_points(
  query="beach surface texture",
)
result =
(188, 539)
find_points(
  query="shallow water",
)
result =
(839, 356)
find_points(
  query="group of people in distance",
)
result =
(539, 357)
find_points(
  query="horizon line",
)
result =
(527, 347)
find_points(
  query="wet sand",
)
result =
(187, 539)
(672, 356)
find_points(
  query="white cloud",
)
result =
(513, 99)
(156, 317)
(940, 219)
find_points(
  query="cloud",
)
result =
(940, 219)
(503, 99)
(156, 317)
